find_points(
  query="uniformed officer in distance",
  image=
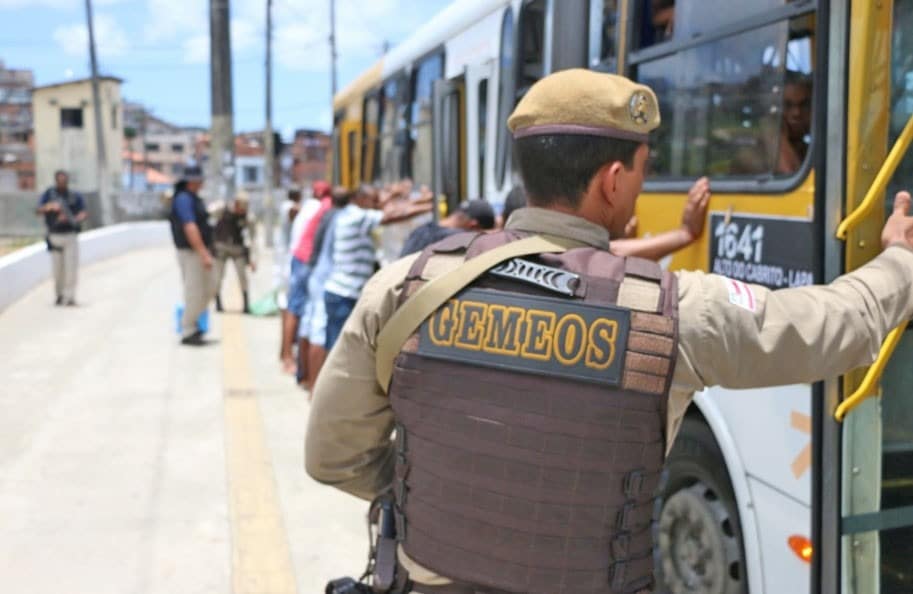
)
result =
(193, 238)
(532, 420)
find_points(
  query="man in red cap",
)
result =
(302, 245)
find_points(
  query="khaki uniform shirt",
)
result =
(730, 334)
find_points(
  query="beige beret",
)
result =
(585, 102)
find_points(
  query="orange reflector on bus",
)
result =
(802, 547)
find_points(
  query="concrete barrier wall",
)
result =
(18, 218)
(23, 269)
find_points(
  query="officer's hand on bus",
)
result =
(695, 214)
(899, 228)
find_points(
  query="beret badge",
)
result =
(638, 106)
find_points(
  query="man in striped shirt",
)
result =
(354, 254)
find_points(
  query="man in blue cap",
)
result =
(193, 239)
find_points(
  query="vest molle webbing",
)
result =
(530, 436)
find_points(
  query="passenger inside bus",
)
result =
(783, 152)
(662, 17)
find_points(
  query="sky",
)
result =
(161, 50)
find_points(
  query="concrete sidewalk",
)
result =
(129, 464)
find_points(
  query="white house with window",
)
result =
(65, 135)
(250, 172)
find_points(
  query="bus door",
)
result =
(872, 520)
(478, 77)
(449, 142)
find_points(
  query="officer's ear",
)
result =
(608, 179)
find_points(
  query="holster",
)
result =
(383, 576)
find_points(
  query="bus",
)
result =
(800, 112)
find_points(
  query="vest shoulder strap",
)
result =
(436, 292)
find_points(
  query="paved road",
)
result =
(129, 464)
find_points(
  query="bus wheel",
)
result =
(699, 533)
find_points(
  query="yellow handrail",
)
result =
(881, 181)
(868, 387)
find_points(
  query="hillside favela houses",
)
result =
(17, 156)
(310, 154)
(155, 152)
(65, 135)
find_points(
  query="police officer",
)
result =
(234, 240)
(64, 212)
(533, 408)
(193, 239)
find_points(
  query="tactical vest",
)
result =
(229, 229)
(201, 218)
(531, 417)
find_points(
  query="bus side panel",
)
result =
(771, 429)
(658, 212)
(783, 570)
(718, 424)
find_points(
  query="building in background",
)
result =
(65, 135)
(17, 156)
(250, 162)
(155, 151)
(310, 152)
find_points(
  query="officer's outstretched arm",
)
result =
(744, 336)
(347, 444)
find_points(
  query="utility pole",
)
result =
(221, 174)
(268, 148)
(145, 152)
(334, 139)
(333, 54)
(104, 190)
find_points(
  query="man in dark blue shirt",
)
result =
(193, 239)
(64, 211)
(475, 215)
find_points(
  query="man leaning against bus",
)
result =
(534, 406)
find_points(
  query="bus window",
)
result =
(482, 132)
(453, 151)
(337, 152)
(392, 148)
(659, 21)
(428, 71)
(351, 148)
(532, 46)
(506, 96)
(371, 138)
(603, 28)
(735, 107)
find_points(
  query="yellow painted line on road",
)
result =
(261, 559)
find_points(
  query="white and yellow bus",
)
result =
(799, 111)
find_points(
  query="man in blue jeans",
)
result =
(353, 252)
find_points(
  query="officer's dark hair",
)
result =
(61, 172)
(179, 187)
(558, 168)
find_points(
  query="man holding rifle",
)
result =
(64, 211)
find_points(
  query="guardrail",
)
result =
(26, 268)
